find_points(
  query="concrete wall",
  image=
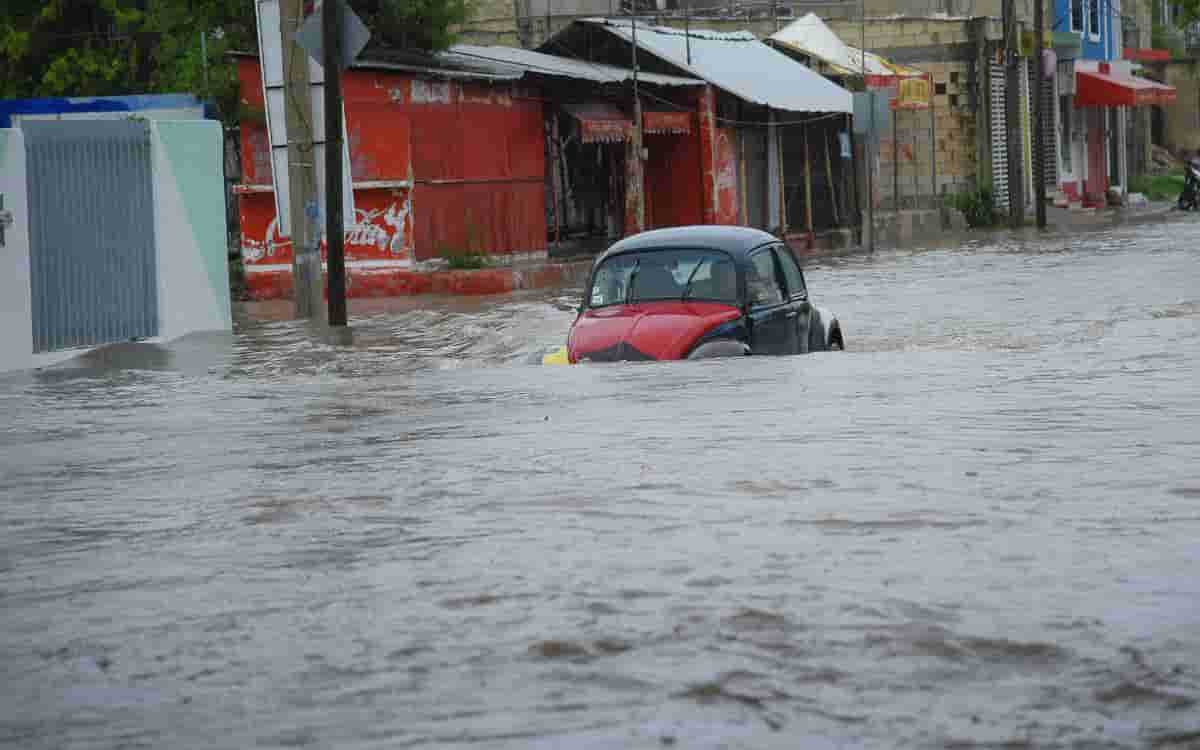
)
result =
(1182, 119)
(16, 323)
(944, 49)
(189, 227)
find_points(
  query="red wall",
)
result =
(473, 154)
(674, 196)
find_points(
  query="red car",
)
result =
(696, 292)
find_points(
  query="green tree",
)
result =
(114, 47)
(1188, 12)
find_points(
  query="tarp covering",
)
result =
(738, 63)
(675, 123)
(600, 121)
(1095, 89)
(539, 63)
(810, 36)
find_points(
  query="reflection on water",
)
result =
(975, 528)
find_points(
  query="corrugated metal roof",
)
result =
(421, 64)
(539, 63)
(738, 63)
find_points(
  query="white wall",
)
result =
(16, 321)
(189, 227)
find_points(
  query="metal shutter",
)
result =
(999, 136)
(1046, 143)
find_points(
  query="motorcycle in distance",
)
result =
(1189, 199)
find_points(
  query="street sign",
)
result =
(864, 102)
(355, 35)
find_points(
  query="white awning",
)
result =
(810, 36)
(739, 64)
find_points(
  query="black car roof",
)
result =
(737, 241)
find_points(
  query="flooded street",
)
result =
(977, 527)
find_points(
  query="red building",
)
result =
(507, 152)
(441, 161)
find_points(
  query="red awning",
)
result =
(1115, 90)
(675, 123)
(600, 122)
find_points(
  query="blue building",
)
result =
(1095, 89)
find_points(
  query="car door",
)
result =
(772, 316)
(797, 295)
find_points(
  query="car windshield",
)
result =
(683, 275)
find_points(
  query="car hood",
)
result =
(650, 330)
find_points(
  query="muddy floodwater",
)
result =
(977, 527)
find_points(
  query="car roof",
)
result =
(737, 241)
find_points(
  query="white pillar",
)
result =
(1122, 155)
(16, 295)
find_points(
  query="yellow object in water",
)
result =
(556, 357)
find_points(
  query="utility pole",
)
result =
(1012, 101)
(635, 174)
(331, 46)
(687, 36)
(868, 142)
(1039, 135)
(301, 176)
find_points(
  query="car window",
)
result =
(762, 283)
(707, 275)
(791, 273)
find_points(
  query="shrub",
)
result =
(977, 207)
(463, 259)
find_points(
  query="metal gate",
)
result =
(999, 136)
(91, 232)
(1044, 143)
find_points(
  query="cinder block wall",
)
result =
(1182, 131)
(941, 48)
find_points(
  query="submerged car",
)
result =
(698, 292)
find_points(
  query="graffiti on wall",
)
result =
(382, 229)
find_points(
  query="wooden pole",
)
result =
(783, 217)
(639, 188)
(1012, 94)
(808, 217)
(744, 209)
(853, 177)
(896, 170)
(1039, 148)
(933, 149)
(829, 181)
(301, 173)
(331, 44)
(868, 141)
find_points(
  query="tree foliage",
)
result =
(114, 47)
(1187, 12)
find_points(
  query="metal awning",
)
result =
(736, 62)
(600, 121)
(524, 61)
(660, 122)
(1109, 89)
